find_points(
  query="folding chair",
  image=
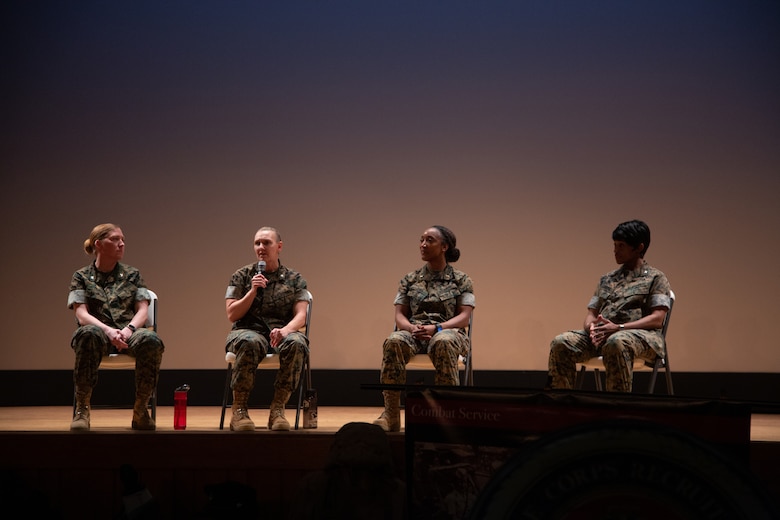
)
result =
(271, 362)
(640, 365)
(423, 361)
(126, 361)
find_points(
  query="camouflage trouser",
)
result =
(444, 349)
(619, 352)
(251, 347)
(90, 344)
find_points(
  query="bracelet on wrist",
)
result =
(131, 327)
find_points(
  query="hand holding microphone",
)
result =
(257, 281)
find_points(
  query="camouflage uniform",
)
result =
(621, 297)
(111, 298)
(433, 297)
(272, 308)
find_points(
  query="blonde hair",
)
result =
(98, 232)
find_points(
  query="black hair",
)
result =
(633, 233)
(453, 253)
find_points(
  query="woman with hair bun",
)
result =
(432, 310)
(111, 304)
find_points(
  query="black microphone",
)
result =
(260, 270)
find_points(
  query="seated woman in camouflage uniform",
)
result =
(111, 302)
(624, 319)
(432, 310)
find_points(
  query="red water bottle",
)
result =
(180, 407)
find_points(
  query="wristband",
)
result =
(438, 328)
(131, 327)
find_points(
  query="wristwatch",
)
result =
(622, 326)
(131, 327)
(438, 328)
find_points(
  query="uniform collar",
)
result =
(444, 274)
(117, 274)
(641, 270)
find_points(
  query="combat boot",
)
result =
(141, 418)
(81, 416)
(276, 420)
(390, 420)
(240, 420)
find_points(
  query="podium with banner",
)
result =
(475, 453)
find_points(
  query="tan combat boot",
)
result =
(81, 416)
(390, 420)
(141, 418)
(276, 420)
(240, 422)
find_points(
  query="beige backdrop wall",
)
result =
(530, 129)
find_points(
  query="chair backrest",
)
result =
(307, 326)
(668, 313)
(151, 317)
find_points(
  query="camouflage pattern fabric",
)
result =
(249, 338)
(432, 297)
(251, 347)
(111, 298)
(90, 344)
(621, 296)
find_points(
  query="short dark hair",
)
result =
(633, 233)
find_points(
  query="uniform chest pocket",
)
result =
(283, 296)
(636, 295)
(417, 293)
(96, 297)
(449, 292)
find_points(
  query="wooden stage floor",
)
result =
(763, 427)
(199, 418)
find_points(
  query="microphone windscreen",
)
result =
(261, 266)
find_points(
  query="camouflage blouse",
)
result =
(434, 297)
(273, 306)
(623, 296)
(110, 297)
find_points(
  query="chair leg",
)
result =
(468, 374)
(597, 376)
(669, 387)
(300, 404)
(225, 394)
(668, 374)
(305, 381)
(579, 378)
(651, 388)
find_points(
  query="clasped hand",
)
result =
(601, 329)
(420, 332)
(118, 339)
